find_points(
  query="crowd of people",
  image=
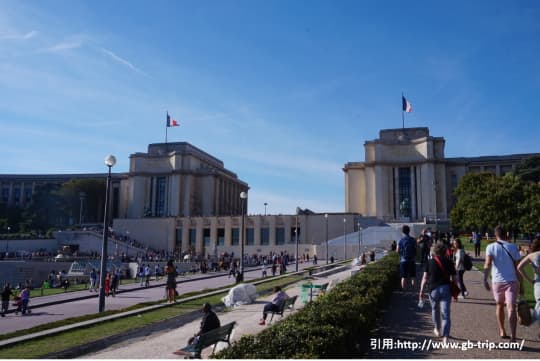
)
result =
(444, 262)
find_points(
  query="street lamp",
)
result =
(326, 218)
(82, 197)
(359, 233)
(345, 235)
(110, 161)
(7, 241)
(265, 204)
(296, 236)
(243, 198)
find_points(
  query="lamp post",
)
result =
(326, 218)
(127, 244)
(359, 233)
(7, 241)
(82, 197)
(265, 204)
(345, 236)
(110, 161)
(296, 236)
(243, 198)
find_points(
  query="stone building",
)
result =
(169, 180)
(405, 176)
(179, 180)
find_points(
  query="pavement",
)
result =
(473, 332)
(57, 307)
(161, 345)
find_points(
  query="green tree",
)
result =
(46, 209)
(529, 169)
(530, 219)
(475, 207)
(92, 204)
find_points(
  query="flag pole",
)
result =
(402, 112)
(166, 127)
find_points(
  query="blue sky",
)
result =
(283, 92)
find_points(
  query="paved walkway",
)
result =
(48, 309)
(161, 345)
(473, 319)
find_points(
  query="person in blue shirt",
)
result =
(406, 249)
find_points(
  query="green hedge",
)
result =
(336, 325)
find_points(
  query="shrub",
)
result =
(336, 325)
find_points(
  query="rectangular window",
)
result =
(265, 236)
(293, 234)
(453, 181)
(16, 196)
(206, 237)
(280, 236)
(27, 194)
(178, 241)
(161, 186)
(250, 236)
(221, 236)
(5, 195)
(404, 176)
(192, 237)
(235, 237)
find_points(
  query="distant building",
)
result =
(405, 176)
(170, 180)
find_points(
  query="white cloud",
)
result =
(12, 36)
(123, 61)
(63, 46)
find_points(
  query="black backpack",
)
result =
(467, 262)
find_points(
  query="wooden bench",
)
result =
(287, 304)
(221, 334)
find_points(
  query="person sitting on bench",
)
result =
(209, 322)
(273, 306)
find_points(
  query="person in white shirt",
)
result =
(502, 258)
(459, 253)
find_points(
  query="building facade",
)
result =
(263, 233)
(169, 180)
(179, 180)
(405, 176)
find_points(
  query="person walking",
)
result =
(533, 259)
(156, 271)
(440, 273)
(141, 274)
(147, 273)
(7, 292)
(501, 260)
(424, 245)
(477, 241)
(107, 284)
(459, 255)
(114, 282)
(406, 249)
(170, 271)
(25, 299)
(93, 280)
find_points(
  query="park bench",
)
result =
(221, 334)
(287, 304)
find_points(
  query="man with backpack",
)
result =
(406, 249)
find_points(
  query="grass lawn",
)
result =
(44, 346)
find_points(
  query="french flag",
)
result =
(407, 107)
(171, 122)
